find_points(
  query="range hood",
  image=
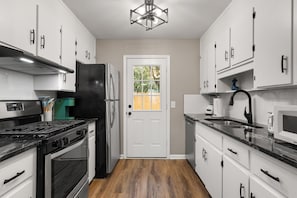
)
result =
(17, 60)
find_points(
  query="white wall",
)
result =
(16, 86)
(262, 103)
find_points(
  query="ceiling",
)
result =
(109, 19)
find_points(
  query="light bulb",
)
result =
(155, 21)
(158, 12)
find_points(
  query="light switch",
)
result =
(172, 104)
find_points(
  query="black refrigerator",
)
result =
(97, 96)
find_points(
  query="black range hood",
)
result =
(16, 60)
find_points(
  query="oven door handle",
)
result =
(67, 149)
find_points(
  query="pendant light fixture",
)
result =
(149, 15)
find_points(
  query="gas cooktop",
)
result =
(41, 129)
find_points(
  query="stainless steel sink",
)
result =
(231, 123)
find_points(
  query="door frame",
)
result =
(167, 92)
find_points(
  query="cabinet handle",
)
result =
(226, 55)
(42, 42)
(240, 190)
(284, 59)
(232, 52)
(86, 54)
(14, 177)
(32, 36)
(269, 175)
(234, 152)
(252, 195)
(64, 78)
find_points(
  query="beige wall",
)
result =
(184, 73)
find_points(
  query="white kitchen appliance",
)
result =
(285, 127)
(218, 107)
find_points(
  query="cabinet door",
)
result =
(209, 166)
(68, 58)
(273, 41)
(23, 190)
(235, 180)
(49, 30)
(223, 41)
(18, 24)
(82, 43)
(207, 63)
(259, 189)
(91, 158)
(241, 47)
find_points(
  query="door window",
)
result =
(147, 95)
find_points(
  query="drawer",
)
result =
(209, 134)
(236, 151)
(91, 128)
(17, 169)
(275, 173)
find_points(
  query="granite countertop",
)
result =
(12, 147)
(257, 138)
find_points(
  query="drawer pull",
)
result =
(14, 177)
(252, 195)
(234, 152)
(269, 175)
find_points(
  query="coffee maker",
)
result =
(64, 108)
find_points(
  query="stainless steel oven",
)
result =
(62, 152)
(66, 171)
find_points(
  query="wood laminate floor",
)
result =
(145, 178)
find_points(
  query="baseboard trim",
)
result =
(171, 157)
(174, 157)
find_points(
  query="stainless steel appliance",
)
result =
(62, 154)
(97, 96)
(284, 124)
(190, 141)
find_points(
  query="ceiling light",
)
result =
(26, 60)
(149, 15)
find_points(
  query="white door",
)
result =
(146, 107)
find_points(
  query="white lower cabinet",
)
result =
(259, 189)
(208, 166)
(92, 150)
(235, 180)
(24, 190)
(246, 172)
(18, 176)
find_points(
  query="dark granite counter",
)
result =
(257, 138)
(12, 147)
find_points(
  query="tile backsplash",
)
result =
(262, 103)
(16, 86)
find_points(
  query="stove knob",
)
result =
(56, 143)
(65, 141)
(81, 132)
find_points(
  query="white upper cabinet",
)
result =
(84, 45)
(49, 30)
(273, 39)
(18, 24)
(223, 41)
(207, 64)
(241, 34)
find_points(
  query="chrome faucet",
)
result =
(249, 115)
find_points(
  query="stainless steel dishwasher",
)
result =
(190, 141)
